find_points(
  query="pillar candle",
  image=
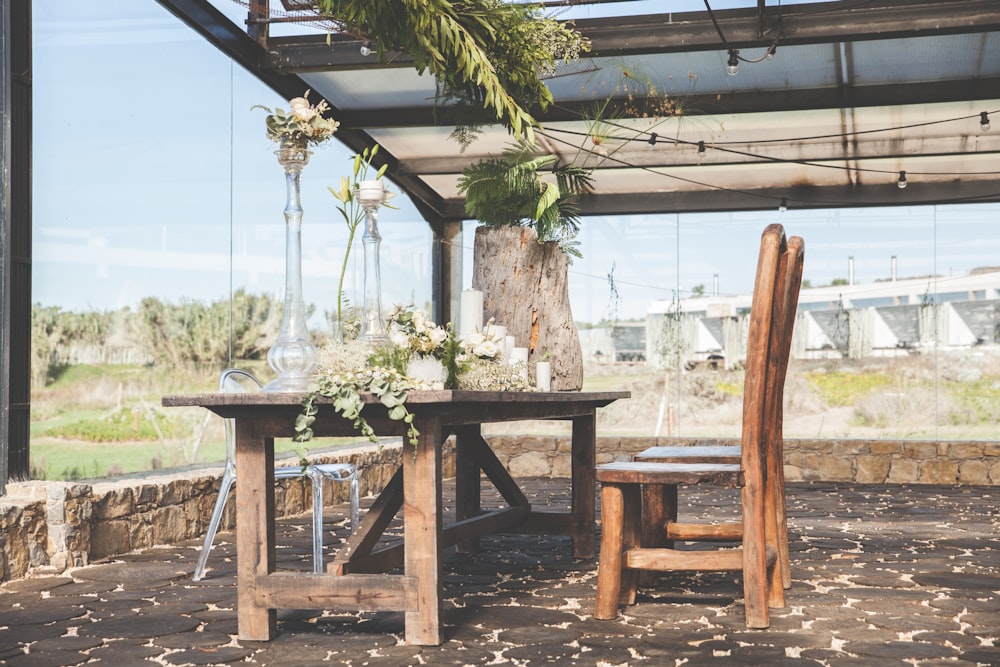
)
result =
(520, 356)
(470, 318)
(508, 347)
(543, 375)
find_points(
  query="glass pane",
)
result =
(158, 230)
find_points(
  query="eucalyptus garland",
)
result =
(344, 391)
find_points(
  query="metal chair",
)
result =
(234, 380)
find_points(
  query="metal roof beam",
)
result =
(801, 197)
(817, 23)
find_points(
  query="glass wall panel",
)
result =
(159, 234)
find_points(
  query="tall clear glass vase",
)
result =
(371, 195)
(293, 356)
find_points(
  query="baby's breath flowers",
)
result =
(302, 124)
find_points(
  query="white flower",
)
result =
(399, 339)
(438, 335)
(488, 349)
(301, 109)
(471, 340)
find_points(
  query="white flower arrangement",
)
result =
(303, 124)
(346, 369)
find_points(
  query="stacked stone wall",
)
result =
(861, 461)
(48, 527)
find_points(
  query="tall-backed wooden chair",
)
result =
(758, 474)
(660, 501)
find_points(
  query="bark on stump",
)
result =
(525, 288)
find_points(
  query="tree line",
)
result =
(188, 333)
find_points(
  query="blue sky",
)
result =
(152, 177)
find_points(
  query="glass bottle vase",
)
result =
(371, 195)
(293, 356)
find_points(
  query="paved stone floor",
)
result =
(884, 575)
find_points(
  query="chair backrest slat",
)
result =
(755, 383)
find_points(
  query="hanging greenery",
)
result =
(486, 51)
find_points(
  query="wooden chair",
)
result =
(624, 554)
(660, 501)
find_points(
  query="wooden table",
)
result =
(357, 579)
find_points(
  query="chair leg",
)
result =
(659, 505)
(316, 479)
(631, 538)
(755, 570)
(225, 486)
(609, 567)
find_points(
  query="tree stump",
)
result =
(525, 288)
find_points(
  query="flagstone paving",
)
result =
(883, 575)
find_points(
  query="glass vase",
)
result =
(293, 356)
(371, 195)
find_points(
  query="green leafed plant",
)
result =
(524, 188)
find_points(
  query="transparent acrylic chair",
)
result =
(234, 380)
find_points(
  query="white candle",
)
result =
(543, 375)
(508, 347)
(470, 317)
(497, 333)
(519, 356)
(371, 191)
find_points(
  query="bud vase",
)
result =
(293, 356)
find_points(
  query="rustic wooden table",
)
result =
(357, 578)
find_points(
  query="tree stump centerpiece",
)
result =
(525, 288)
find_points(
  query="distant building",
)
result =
(845, 321)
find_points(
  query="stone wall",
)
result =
(47, 527)
(861, 461)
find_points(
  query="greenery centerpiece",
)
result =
(347, 370)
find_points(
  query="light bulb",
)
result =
(771, 51)
(734, 62)
(984, 121)
(783, 206)
(366, 49)
(901, 184)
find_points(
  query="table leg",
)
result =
(422, 531)
(584, 459)
(468, 487)
(254, 530)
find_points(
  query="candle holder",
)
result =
(371, 195)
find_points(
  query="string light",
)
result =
(783, 206)
(901, 183)
(734, 62)
(701, 149)
(984, 121)
(771, 51)
(366, 49)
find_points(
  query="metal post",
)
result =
(5, 246)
